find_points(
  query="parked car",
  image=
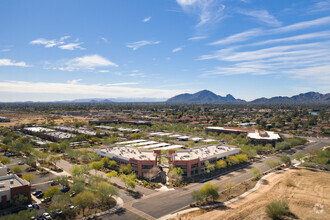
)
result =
(54, 183)
(35, 193)
(59, 170)
(18, 174)
(73, 194)
(21, 163)
(65, 189)
(46, 199)
(29, 207)
(46, 215)
(36, 206)
(71, 207)
(31, 169)
(39, 196)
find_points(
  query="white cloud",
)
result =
(138, 44)
(308, 61)
(105, 40)
(247, 35)
(263, 16)
(136, 74)
(198, 38)
(321, 6)
(301, 25)
(42, 41)
(5, 50)
(146, 19)
(9, 62)
(88, 62)
(104, 71)
(61, 43)
(74, 81)
(208, 11)
(83, 90)
(71, 46)
(176, 49)
(321, 34)
(243, 36)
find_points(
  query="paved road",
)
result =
(162, 203)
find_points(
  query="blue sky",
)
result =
(73, 49)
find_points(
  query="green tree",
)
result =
(76, 170)
(285, 158)
(19, 200)
(63, 180)
(299, 156)
(210, 191)
(197, 196)
(83, 200)
(29, 177)
(242, 158)
(104, 191)
(277, 209)
(111, 174)
(126, 169)
(209, 167)
(221, 164)
(232, 160)
(273, 163)
(176, 174)
(54, 160)
(129, 180)
(256, 172)
(52, 191)
(5, 160)
(97, 165)
(17, 169)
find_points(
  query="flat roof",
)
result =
(131, 142)
(230, 129)
(125, 153)
(206, 152)
(270, 136)
(38, 129)
(10, 181)
(155, 145)
(169, 147)
(142, 143)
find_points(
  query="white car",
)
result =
(46, 215)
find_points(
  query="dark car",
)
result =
(59, 170)
(65, 189)
(39, 196)
(20, 163)
(36, 206)
(18, 174)
(35, 193)
(31, 169)
(54, 183)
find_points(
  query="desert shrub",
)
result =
(290, 183)
(277, 209)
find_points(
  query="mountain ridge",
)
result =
(208, 97)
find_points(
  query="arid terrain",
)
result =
(17, 119)
(303, 189)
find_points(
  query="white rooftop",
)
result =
(206, 152)
(169, 147)
(142, 143)
(126, 153)
(270, 136)
(155, 145)
(38, 129)
(131, 142)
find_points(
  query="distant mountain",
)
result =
(303, 98)
(204, 96)
(95, 100)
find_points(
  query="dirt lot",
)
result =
(27, 118)
(303, 189)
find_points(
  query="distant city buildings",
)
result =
(4, 119)
(255, 135)
(119, 121)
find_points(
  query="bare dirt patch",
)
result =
(303, 189)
